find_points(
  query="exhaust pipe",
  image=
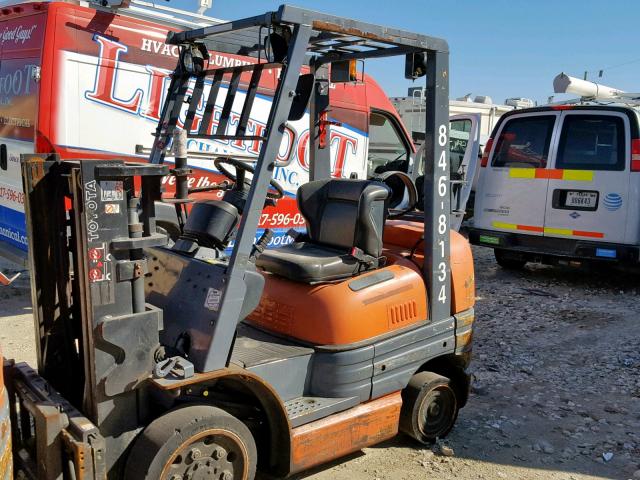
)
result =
(564, 83)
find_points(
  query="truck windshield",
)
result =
(387, 150)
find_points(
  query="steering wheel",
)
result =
(241, 169)
(397, 182)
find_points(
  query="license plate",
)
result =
(581, 199)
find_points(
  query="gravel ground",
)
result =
(557, 381)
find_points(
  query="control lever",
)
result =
(261, 244)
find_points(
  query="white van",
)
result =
(561, 183)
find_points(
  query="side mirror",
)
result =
(303, 93)
(415, 65)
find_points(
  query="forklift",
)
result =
(174, 360)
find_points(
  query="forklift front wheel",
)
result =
(429, 407)
(197, 441)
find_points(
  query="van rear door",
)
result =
(589, 190)
(512, 188)
(21, 46)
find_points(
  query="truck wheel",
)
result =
(429, 407)
(194, 442)
(509, 262)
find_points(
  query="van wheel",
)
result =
(429, 407)
(192, 442)
(508, 261)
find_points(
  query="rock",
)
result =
(544, 446)
(607, 456)
(636, 475)
(567, 453)
(444, 450)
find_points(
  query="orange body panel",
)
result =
(400, 236)
(333, 314)
(344, 433)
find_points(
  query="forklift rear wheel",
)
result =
(507, 261)
(429, 407)
(193, 443)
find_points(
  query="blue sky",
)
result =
(500, 48)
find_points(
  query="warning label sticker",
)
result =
(212, 302)
(99, 264)
(112, 191)
(111, 208)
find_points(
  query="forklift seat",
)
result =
(345, 220)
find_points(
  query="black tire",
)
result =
(429, 407)
(507, 261)
(197, 438)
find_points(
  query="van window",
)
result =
(387, 148)
(524, 142)
(591, 142)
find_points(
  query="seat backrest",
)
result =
(343, 213)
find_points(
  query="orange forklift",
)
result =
(172, 360)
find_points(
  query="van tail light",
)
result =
(485, 155)
(635, 155)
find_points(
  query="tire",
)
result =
(507, 261)
(197, 441)
(429, 407)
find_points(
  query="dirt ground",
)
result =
(557, 381)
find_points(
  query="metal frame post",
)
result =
(437, 198)
(319, 150)
(223, 331)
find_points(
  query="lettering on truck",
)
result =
(145, 102)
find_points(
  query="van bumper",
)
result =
(543, 249)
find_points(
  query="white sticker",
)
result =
(212, 302)
(112, 191)
(111, 208)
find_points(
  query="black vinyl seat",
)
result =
(345, 220)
